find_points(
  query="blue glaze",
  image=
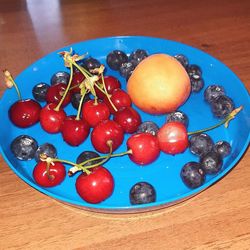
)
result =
(163, 174)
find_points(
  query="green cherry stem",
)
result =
(57, 108)
(9, 81)
(80, 105)
(226, 121)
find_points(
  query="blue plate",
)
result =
(163, 174)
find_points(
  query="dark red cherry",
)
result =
(94, 112)
(105, 132)
(173, 138)
(50, 119)
(74, 132)
(128, 118)
(145, 148)
(25, 113)
(111, 83)
(119, 98)
(51, 178)
(95, 187)
(55, 93)
(77, 79)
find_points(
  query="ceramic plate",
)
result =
(164, 173)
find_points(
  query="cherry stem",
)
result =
(57, 108)
(226, 121)
(51, 177)
(10, 81)
(80, 106)
(106, 93)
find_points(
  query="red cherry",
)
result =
(119, 98)
(128, 118)
(25, 113)
(95, 187)
(104, 132)
(74, 132)
(145, 148)
(111, 83)
(55, 176)
(50, 119)
(78, 78)
(55, 93)
(94, 112)
(173, 138)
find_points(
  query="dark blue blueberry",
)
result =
(211, 162)
(39, 91)
(148, 127)
(212, 92)
(197, 83)
(126, 70)
(200, 144)
(222, 106)
(193, 175)
(24, 147)
(60, 77)
(87, 155)
(142, 193)
(116, 58)
(194, 70)
(47, 149)
(223, 148)
(91, 63)
(178, 116)
(137, 56)
(182, 59)
(76, 97)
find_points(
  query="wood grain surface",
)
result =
(218, 218)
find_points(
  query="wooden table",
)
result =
(218, 218)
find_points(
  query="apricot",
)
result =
(159, 84)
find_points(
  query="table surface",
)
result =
(215, 219)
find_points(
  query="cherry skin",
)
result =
(55, 93)
(94, 112)
(74, 132)
(119, 98)
(95, 187)
(105, 132)
(111, 83)
(77, 79)
(128, 118)
(145, 148)
(53, 178)
(25, 113)
(50, 119)
(173, 138)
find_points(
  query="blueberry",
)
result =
(87, 155)
(178, 116)
(197, 83)
(60, 77)
(47, 149)
(116, 58)
(223, 148)
(76, 97)
(182, 59)
(194, 70)
(211, 162)
(91, 63)
(142, 193)
(200, 144)
(212, 92)
(126, 70)
(24, 147)
(222, 106)
(137, 56)
(39, 91)
(193, 175)
(148, 127)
